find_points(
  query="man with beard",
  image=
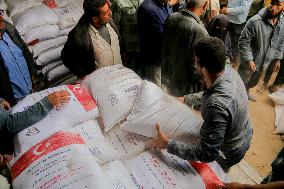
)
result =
(261, 42)
(94, 42)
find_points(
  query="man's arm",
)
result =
(17, 122)
(212, 133)
(242, 9)
(247, 35)
(193, 99)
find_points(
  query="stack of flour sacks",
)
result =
(98, 140)
(44, 26)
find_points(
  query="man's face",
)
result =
(105, 14)
(172, 2)
(276, 8)
(197, 65)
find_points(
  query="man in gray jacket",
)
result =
(261, 42)
(224, 109)
(181, 32)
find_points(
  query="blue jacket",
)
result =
(151, 17)
(226, 127)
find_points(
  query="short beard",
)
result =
(270, 16)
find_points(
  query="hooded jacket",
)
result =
(260, 41)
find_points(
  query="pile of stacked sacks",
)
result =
(44, 26)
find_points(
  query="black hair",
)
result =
(211, 54)
(91, 7)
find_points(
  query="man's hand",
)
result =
(233, 185)
(161, 141)
(277, 65)
(5, 105)
(252, 66)
(59, 97)
(223, 10)
(4, 160)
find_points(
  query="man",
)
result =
(237, 12)
(151, 17)
(94, 42)
(11, 124)
(224, 109)
(261, 42)
(181, 32)
(16, 64)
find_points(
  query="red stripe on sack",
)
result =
(83, 96)
(39, 150)
(209, 177)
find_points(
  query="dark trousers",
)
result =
(235, 33)
(280, 75)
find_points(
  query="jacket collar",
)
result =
(188, 13)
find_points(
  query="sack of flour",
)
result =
(278, 97)
(80, 108)
(60, 161)
(98, 145)
(114, 88)
(152, 106)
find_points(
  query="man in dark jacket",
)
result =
(16, 64)
(151, 17)
(181, 32)
(94, 42)
(226, 128)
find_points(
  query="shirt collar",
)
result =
(217, 81)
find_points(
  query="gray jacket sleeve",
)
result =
(17, 122)
(246, 37)
(212, 136)
(280, 50)
(193, 99)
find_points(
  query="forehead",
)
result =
(277, 2)
(104, 8)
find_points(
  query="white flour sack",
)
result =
(41, 33)
(35, 17)
(153, 106)
(81, 107)
(114, 88)
(18, 6)
(278, 96)
(69, 15)
(61, 161)
(100, 148)
(118, 175)
(279, 119)
(126, 144)
(161, 170)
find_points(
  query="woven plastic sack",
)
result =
(118, 175)
(60, 161)
(41, 33)
(114, 88)
(81, 107)
(278, 96)
(16, 7)
(49, 56)
(279, 119)
(35, 17)
(51, 66)
(98, 145)
(44, 46)
(153, 106)
(57, 72)
(68, 15)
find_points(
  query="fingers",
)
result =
(59, 97)
(158, 129)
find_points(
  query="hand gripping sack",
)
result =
(153, 106)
